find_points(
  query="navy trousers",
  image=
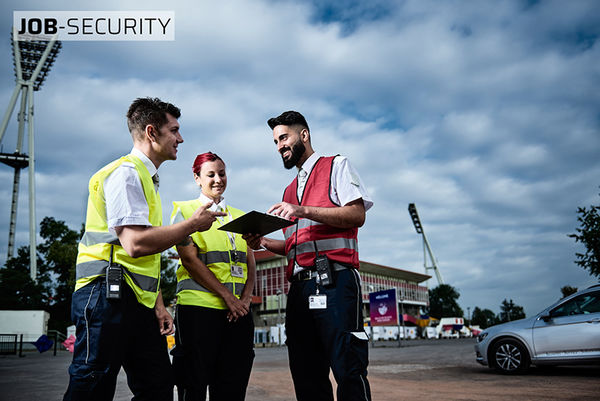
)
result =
(115, 333)
(212, 352)
(320, 339)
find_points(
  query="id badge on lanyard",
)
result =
(237, 270)
(317, 301)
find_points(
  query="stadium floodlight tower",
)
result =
(412, 210)
(32, 62)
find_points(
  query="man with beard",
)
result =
(324, 324)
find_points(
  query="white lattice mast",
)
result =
(32, 62)
(412, 210)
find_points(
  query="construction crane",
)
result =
(412, 210)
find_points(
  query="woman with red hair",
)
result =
(215, 279)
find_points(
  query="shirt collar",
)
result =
(146, 160)
(310, 163)
(213, 208)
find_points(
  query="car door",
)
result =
(571, 331)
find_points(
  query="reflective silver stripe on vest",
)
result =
(94, 237)
(189, 284)
(324, 245)
(302, 223)
(98, 267)
(222, 257)
(88, 269)
(146, 283)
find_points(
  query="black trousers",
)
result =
(115, 333)
(212, 352)
(320, 339)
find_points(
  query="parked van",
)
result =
(450, 327)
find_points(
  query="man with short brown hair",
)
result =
(117, 305)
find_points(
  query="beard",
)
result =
(297, 151)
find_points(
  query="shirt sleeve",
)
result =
(126, 203)
(346, 185)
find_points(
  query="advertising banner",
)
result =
(383, 308)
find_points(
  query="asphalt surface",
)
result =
(420, 370)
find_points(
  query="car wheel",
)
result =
(509, 356)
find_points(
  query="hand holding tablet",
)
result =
(256, 223)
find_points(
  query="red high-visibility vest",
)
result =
(307, 236)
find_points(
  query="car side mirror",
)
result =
(545, 317)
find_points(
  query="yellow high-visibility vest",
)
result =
(98, 245)
(218, 254)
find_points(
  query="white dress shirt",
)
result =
(346, 185)
(177, 216)
(126, 203)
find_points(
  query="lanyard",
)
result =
(230, 235)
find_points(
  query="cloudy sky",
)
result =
(484, 114)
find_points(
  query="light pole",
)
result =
(402, 315)
(412, 210)
(469, 314)
(279, 315)
(371, 328)
(32, 60)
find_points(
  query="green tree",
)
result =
(510, 311)
(168, 278)
(59, 251)
(443, 302)
(483, 318)
(568, 290)
(588, 234)
(17, 290)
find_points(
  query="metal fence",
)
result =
(12, 344)
(9, 344)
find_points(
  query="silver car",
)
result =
(567, 332)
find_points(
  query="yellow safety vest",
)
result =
(98, 245)
(217, 253)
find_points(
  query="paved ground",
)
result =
(421, 370)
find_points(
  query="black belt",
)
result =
(310, 273)
(303, 275)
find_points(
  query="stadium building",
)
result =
(271, 288)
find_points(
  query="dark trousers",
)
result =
(115, 333)
(212, 352)
(320, 339)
